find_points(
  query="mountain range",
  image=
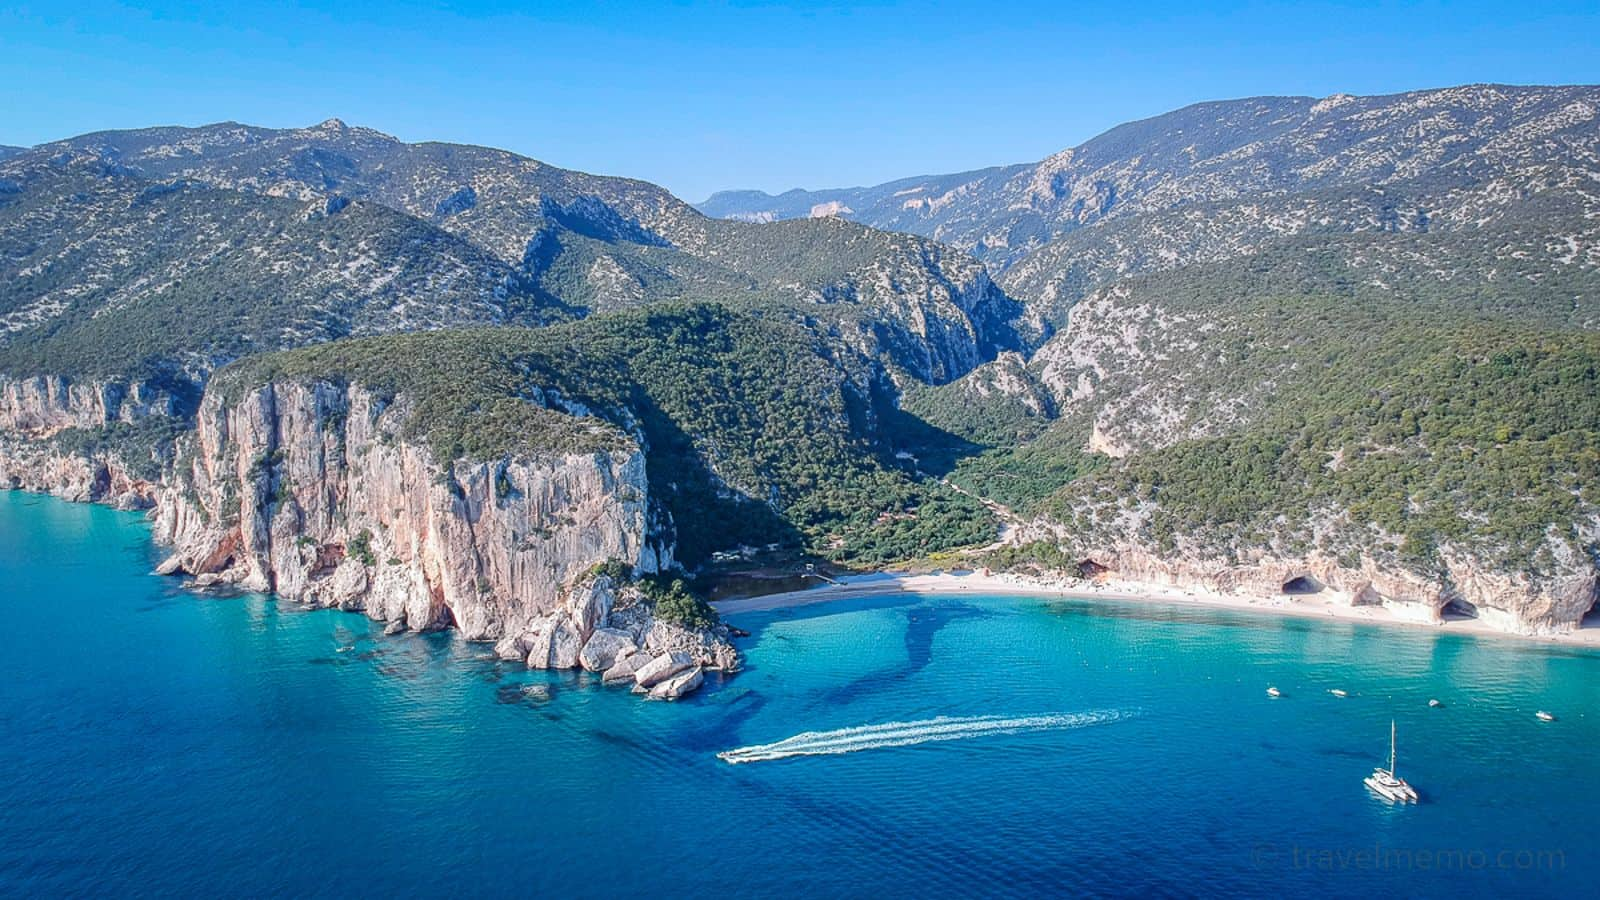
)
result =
(1218, 180)
(1350, 340)
(396, 237)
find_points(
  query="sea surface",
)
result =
(156, 741)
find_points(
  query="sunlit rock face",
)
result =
(312, 491)
(1518, 602)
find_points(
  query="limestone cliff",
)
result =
(50, 403)
(1520, 602)
(314, 491)
(100, 477)
(38, 414)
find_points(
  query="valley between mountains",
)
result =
(1348, 344)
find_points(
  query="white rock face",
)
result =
(1517, 603)
(37, 466)
(554, 643)
(830, 208)
(626, 667)
(47, 404)
(311, 491)
(604, 648)
(32, 410)
(678, 685)
(661, 668)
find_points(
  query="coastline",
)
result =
(1324, 606)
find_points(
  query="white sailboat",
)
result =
(1386, 784)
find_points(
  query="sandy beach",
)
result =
(1324, 606)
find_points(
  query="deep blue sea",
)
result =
(155, 741)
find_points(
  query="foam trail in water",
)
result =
(904, 734)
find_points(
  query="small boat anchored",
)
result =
(1543, 716)
(1274, 693)
(1386, 784)
(1338, 692)
(1434, 704)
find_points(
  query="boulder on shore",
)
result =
(604, 648)
(565, 642)
(512, 647)
(661, 668)
(625, 667)
(678, 685)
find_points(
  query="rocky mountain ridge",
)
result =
(1218, 180)
(555, 243)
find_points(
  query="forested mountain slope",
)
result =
(593, 243)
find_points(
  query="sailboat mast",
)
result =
(1391, 747)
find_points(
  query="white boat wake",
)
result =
(905, 734)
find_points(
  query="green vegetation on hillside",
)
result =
(144, 445)
(1486, 437)
(755, 430)
(1420, 412)
(139, 280)
(1389, 354)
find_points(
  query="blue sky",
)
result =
(702, 96)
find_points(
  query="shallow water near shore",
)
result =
(167, 742)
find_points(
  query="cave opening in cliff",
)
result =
(1303, 584)
(1591, 619)
(1458, 609)
(1092, 570)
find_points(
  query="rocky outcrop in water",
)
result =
(605, 625)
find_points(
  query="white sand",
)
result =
(1326, 606)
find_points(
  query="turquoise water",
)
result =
(165, 742)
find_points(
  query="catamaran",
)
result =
(1386, 784)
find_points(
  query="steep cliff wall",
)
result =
(313, 491)
(38, 414)
(102, 477)
(937, 324)
(49, 403)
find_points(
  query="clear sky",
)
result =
(703, 96)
